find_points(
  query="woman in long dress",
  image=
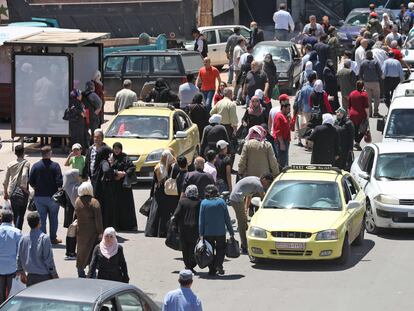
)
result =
(90, 228)
(126, 217)
(163, 205)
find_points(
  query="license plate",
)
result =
(290, 245)
(411, 214)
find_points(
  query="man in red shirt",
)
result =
(397, 54)
(207, 77)
(281, 133)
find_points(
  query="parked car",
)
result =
(399, 124)
(386, 173)
(147, 130)
(80, 294)
(287, 59)
(408, 48)
(143, 67)
(216, 37)
(310, 212)
(357, 19)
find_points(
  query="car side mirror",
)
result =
(364, 175)
(181, 135)
(256, 201)
(353, 204)
(380, 125)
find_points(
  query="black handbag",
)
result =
(173, 238)
(129, 181)
(232, 248)
(60, 198)
(203, 254)
(145, 208)
(32, 206)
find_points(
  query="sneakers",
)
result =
(70, 257)
(243, 250)
(220, 271)
(56, 241)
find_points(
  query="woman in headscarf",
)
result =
(306, 73)
(325, 142)
(269, 68)
(94, 105)
(318, 99)
(331, 83)
(71, 183)
(346, 134)
(212, 134)
(185, 219)
(257, 156)
(386, 24)
(99, 90)
(105, 185)
(108, 258)
(254, 115)
(161, 93)
(198, 113)
(90, 227)
(220, 92)
(126, 217)
(164, 205)
(77, 121)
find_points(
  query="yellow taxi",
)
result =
(146, 129)
(310, 212)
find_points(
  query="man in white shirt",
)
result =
(314, 25)
(187, 91)
(243, 58)
(125, 97)
(237, 53)
(283, 23)
(209, 166)
(360, 54)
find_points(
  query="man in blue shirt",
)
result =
(303, 106)
(393, 74)
(183, 298)
(46, 179)
(9, 242)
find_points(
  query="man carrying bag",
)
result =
(16, 187)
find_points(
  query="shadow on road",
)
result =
(397, 234)
(226, 277)
(357, 254)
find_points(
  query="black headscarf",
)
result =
(160, 85)
(102, 154)
(119, 146)
(269, 67)
(198, 99)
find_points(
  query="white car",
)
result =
(408, 48)
(386, 173)
(216, 37)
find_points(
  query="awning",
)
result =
(58, 39)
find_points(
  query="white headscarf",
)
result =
(386, 23)
(97, 77)
(215, 119)
(259, 93)
(164, 167)
(109, 249)
(318, 86)
(327, 118)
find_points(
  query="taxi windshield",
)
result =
(279, 53)
(289, 194)
(150, 127)
(400, 124)
(395, 166)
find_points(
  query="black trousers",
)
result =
(18, 213)
(390, 83)
(358, 135)
(5, 286)
(219, 248)
(188, 237)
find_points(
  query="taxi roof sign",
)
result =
(141, 103)
(409, 92)
(313, 167)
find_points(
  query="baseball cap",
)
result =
(186, 275)
(373, 14)
(283, 97)
(77, 146)
(221, 144)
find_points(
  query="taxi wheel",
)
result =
(346, 252)
(370, 221)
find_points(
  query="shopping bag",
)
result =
(203, 254)
(276, 92)
(145, 208)
(60, 198)
(173, 238)
(232, 248)
(17, 286)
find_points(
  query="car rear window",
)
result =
(192, 62)
(113, 64)
(165, 64)
(400, 124)
(42, 304)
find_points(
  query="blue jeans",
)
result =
(282, 34)
(208, 98)
(282, 156)
(46, 206)
(231, 72)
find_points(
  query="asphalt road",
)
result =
(377, 277)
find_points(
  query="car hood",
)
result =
(408, 55)
(294, 219)
(403, 188)
(136, 146)
(350, 30)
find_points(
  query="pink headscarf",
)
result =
(256, 132)
(109, 249)
(255, 107)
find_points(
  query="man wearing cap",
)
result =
(75, 159)
(281, 133)
(212, 134)
(374, 25)
(183, 298)
(223, 165)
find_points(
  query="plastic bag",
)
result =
(232, 248)
(203, 254)
(173, 238)
(145, 208)
(17, 286)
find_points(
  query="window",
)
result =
(113, 64)
(210, 36)
(224, 34)
(363, 158)
(130, 302)
(150, 127)
(351, 187)
(42, 304)
(400, 124)
(184, 122)
(245, 33)
(395, 166)
(347, 191)
(109, 305)
(137, 64)
(192, 62)
(165, 64)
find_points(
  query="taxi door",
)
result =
(188, 145)
(356, 215)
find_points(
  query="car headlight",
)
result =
(283, 75)
(330, 234)
(256, 232)
(386, 199)
(342, 36)
(154, 156)
(133, 158)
